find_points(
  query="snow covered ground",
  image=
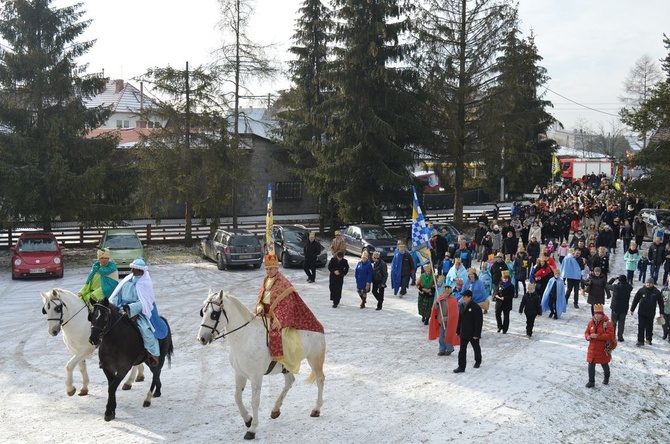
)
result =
(384, 380)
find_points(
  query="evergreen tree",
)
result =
(48, 168)
(190, 160)
(517, 148)
(460, 40)
(300, 127)
(365, 156)
(652, 116)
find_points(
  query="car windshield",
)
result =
(243, 241)
(296, 237)
(123, 242)
(662, 215)
(376, 234)
(37, 245)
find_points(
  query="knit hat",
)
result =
(139, 264)
(271, 261)
(623, 279)
(598, 309)
(649, 281)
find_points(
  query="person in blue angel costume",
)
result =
(135, 297)
(553, 299)
(476, 286)
(402, 267)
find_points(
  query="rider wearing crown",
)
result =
(286, 313)
(102, 280)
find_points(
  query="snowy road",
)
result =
(384, 380)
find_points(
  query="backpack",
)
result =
(610, 344)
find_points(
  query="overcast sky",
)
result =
(588, 46)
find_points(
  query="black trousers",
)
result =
(573, 285)
(378, 293)
(502, 318)
(619, 322)
(592, 371)
(463, 351)
(310, 270)
(645, 327)
(530, 323)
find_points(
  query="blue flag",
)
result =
(420, 238)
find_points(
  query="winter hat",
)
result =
(598, 309)
(649, 281)
(623, 278)
(139, 264)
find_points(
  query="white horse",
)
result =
(66, 311)
(250, 356)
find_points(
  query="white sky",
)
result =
(588, 46)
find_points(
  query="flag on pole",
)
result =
(420, 239)
(555, 165)
(269, 235)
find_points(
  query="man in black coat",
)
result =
(620, 303)
(379, 277)
(312, 250)
(469, 329)
(647, 296)
(338, 267)
(656, 258)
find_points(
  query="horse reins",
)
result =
(217, 317)
(104, 330)
(59, 310)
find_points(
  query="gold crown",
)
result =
(271, 261)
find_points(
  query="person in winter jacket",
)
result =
(553, 297)
(640, 230)
(666, 264)
(627, 234)
(656, 258)
(647, 297)
(532, 306)
(470, 321)
(496, 238)
(402, 266)
(542, 274)
(642, 265)
(426, 287)
(598, 332)
(338, 267)
(503, 297)
(620, 303)
(602, 261)
(521, 268)
(665, 293)
(363, 274)
(606, 238)
(476, 286)
(596, 287)
(445, 313)
(571, 271)
(379, 277)
(510, 244)
(535, 231)
(497, 268)
(631, 258)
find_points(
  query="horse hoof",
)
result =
(109, 417)
(71, 392)
(249, 435)
(248, 423)
(157, 394)
(139, 379)
(315, 413)
(275, 415)
(126, 387)
(83, 392)
(146, 404)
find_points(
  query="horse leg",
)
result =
(256, 384)
(113, 383)
(155, 389)
(128, 384)
(240, 384)
(84, 378)
(316, 363)
(69, 368)
(289, 379)
(140, 372)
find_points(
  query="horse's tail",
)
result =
(170, 345)
(317, 365)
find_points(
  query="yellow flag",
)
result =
(269, 235)
(555, 165)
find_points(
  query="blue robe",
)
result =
(478, 290)
(560, 296)
(396, 271)
(570, 268)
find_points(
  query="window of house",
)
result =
(123, 123)
(288, 191)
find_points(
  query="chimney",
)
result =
(119, 86)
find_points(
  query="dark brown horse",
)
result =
(121, 347)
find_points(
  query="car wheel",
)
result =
(284, 261)
(60, 276)
(14, 277)
(220, 264)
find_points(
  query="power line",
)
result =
(583, 106)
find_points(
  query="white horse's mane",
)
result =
(53, 294)
(218, 296)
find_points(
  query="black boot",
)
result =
(606, 380)
(590, 384)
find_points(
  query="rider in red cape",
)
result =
(286, 313)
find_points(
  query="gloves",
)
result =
(126, 310)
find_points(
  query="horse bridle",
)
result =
(104, 330)
(216, 316)
(59, 309)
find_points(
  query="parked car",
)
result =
(652, 217)
(371, 238)
(290, 244)
(232, 247)
(452, 230)
(124, 247)
(37, 254)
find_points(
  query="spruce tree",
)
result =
(48, 168)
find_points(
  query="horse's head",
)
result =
(53, 306)
(100, 319)
(211, 317)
